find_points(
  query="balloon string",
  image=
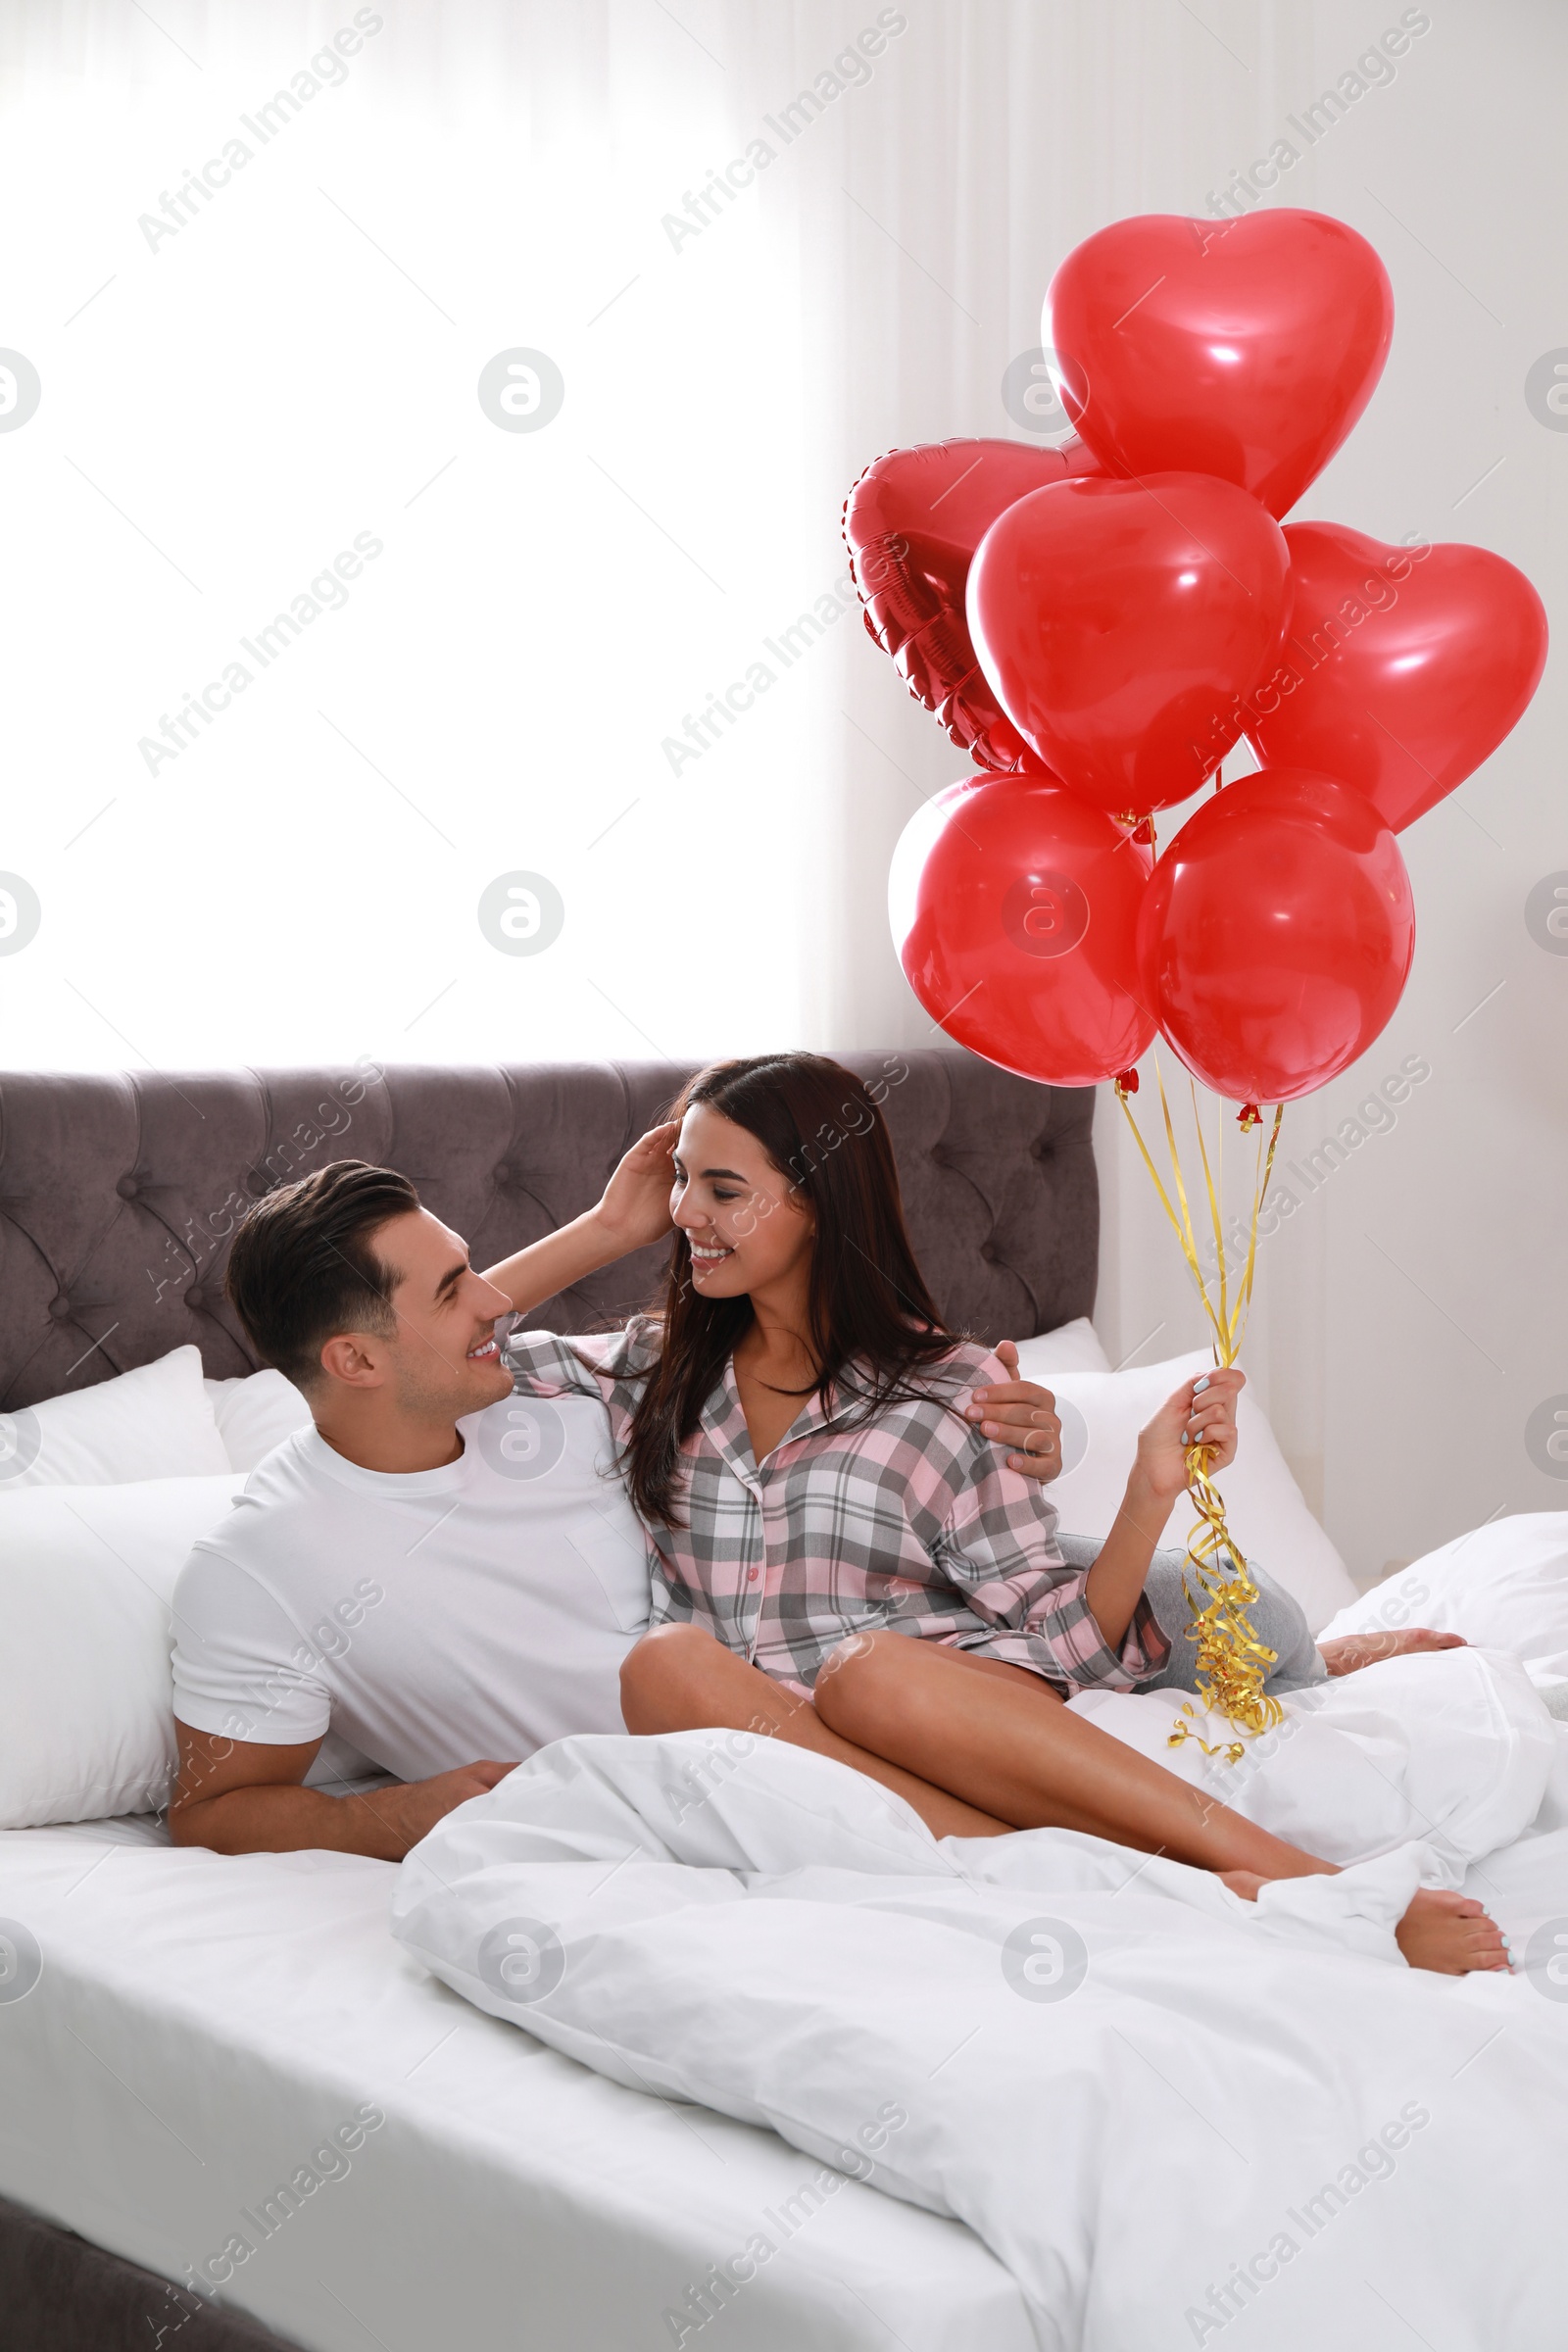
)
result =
(1232, 1663)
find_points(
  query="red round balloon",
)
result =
(1276, 935)
(1014, 910)
(1121, 623)
(912, 523)
(1246, 349)
(1403, 668)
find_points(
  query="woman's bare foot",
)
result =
(1450, 1934)
(1354, 1651)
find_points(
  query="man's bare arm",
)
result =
(1020, 1413)
(244, 1796)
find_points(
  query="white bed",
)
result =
(1175, 2115)
(198, 2026)
(202, 2024)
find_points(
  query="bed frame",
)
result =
(119, 1196)
(60, 2293)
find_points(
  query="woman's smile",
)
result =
(708, 1254)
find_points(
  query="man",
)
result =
(433, 1566)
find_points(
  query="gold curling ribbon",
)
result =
(1232, 1662)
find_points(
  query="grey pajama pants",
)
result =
(1276, 1618)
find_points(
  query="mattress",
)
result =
(207, 2031)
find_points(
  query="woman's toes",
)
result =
(1451, 1933)
(1442, 1930)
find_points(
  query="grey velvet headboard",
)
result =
(119, 1194)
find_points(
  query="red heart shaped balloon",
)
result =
(1276, 936)
(1403, 668)
(1118, 623)
(1014, 910)
(1242, 347)
(912, 523)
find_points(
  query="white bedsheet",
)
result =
(200, 2027)
(1126, 2080)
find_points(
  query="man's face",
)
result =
(442, 1359)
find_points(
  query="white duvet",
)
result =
(1176, 2117)
(1454, 1748)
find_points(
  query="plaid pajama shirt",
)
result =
(910, 1520)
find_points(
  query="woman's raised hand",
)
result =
(634, 1206)
(1202, 1412)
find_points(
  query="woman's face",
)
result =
(748, 1227)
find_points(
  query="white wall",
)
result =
(220, 415)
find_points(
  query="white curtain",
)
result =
(760, 243)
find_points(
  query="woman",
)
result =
(799, 1435)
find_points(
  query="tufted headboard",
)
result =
(119, 1194)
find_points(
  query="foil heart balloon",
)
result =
(1014, 910)
(1275, 936)
(1246, 349)
(912, 523)
(1119, 623)
(1403, 668)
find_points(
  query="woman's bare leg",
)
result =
(999, 1740)
(681, 1679)
(1006, 1745)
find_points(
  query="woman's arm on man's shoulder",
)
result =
(632, 1211)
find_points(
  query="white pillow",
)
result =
(86, 1576)
(156, 1422)
(1101, 1414)
(1072, 1347)
(254, 1414)
(1504, 1587)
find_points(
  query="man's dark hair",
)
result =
(303, 1267)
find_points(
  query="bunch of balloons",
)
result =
(1098, 625)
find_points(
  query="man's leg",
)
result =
(681, 1679)
(1277, 1620)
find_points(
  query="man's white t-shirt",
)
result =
(428, 1618)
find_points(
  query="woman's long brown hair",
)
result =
(873, 1323)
